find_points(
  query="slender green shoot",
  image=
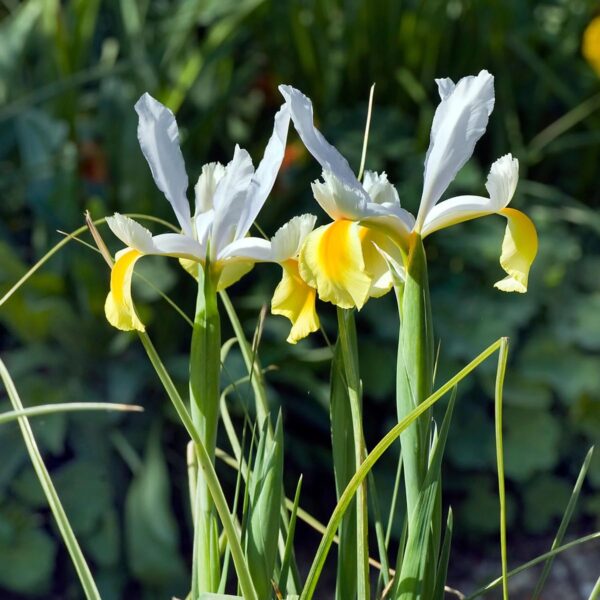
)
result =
(500, 374)
(363, 157)
(532, 563)
(562, 528)
(42, 261)
(81, 566)
(50, 409)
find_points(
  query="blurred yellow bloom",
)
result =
(590, 47)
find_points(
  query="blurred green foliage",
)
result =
(70, 73)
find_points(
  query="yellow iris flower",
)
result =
(227, 201)
(347, 260)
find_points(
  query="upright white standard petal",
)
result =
(459, 121)
(266, 173)
(327, 156)
(159, 141)
(229, 200)
(501, 185)
(205, 188)
(380, 189)
(337, 199)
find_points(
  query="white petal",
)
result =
(131, 233)
(502, 181)
(380, 189)
(181, 246)
(501, 184)
(445, 87)
(288, 239)
(159, 141)
(336, 198)
(255, 249)
(229, 199)
(459, 121)
(205, 188)
(266, 173)
(327, 156)
(203, 224)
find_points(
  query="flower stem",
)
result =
(415, 369)
(347, 333)
(204, 395)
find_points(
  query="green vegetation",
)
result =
(70, 74)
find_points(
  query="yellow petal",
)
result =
(118, 307)
(232, 272)
(375, 264)
(518, 250)
(331, 260)
(294, 299)
(191, 266)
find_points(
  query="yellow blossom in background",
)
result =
(590, 47)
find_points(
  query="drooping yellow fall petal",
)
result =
(119, 308)
(331, 260)
(294, 299)
(233, 272)
(519, 249)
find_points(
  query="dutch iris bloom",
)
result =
(227, 201)
(344, 260)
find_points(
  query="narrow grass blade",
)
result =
(442, 570)
(532, 563)
(371, 459)
(245, 579)
(69, 238)
(289, 542)
(66, 531)
(500, 374)
(50, 409)
(250, 360)
(595, 594)
(414, 579)
(265, 488)
(344, 466)
(562, 528)
(379, 533)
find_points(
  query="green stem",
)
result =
(415, 369)
(347, 333)
(369, 462)
(205, 364)
(500, 461)
(206, 464)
